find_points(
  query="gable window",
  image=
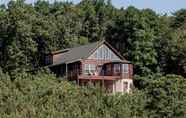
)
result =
(90, 69)
(104, 53)
(125, 68)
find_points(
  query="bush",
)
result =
(45, 96)
(166, 95)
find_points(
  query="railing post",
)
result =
(103, 82)
(78, 81)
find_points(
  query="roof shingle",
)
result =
(76, 53)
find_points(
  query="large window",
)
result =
(90, 69)
(125, 68)
(104, 53)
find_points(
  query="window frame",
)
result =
(104, 53)
(125, 68)
(89, 69)
(117, 68)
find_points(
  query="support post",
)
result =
(78, 81)
(113, 86)
(103, 82)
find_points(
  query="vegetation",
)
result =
(43, 95)
(156, 45)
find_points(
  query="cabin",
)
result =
(96, 63)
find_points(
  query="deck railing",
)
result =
(97, 77)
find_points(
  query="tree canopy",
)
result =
(154, 43)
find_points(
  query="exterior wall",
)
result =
(59, 70)
(109, 86)
(56, 57)
(93, 61)
(130, 71)
(74, 69)
(118, 85)
(128, 75)
(97, 63)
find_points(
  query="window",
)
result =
(116, 68)
(90, 69)
(125, 86)
(125, 68)
(86, 69)
(99, 70)
(105, 53)
(109, 68)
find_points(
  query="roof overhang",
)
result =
(68, 62)
(119, 61)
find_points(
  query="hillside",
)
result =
(154, 43)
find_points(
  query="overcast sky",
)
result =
(160, 6)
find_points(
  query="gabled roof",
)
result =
(78, 53)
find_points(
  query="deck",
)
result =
(94, 77)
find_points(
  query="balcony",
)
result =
(97, 77)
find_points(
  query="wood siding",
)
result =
(128, 75)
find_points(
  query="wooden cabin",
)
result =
(98, 63)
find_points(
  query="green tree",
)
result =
(179, 17)
(167, 97)
(20, 46)
(177, 52)
(132, 35)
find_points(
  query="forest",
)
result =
(154, 43)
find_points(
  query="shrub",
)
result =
(166, 95)
(45, 96)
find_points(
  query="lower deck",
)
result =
(112, 84)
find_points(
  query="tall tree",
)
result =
(132, 35)
(179, 17)
(19, 48)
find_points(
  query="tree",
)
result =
(177, 52)
(143, 52)
(167, 97)
(132, 35)
(179, 17)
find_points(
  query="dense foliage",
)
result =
(44, 96)
(166, 95)
(153, 43)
